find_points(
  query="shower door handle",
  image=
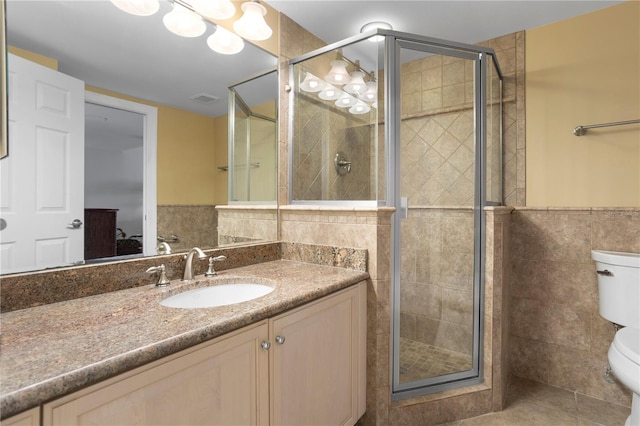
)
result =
(404, 207)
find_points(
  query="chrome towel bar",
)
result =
(581, 130)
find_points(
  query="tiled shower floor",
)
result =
(419, 360)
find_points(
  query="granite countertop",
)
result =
(51, 350)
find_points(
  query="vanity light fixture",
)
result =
(330, 93)
(225, 42)
(184, 22)
(374, 26)
(214, 9)
(186, 19)
(356, 84)
(138, 7)
(252, 25)
(360, 108)
(311, 83)
(338, 73)
(346, 100)
(371, 94)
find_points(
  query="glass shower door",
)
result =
(436, 307)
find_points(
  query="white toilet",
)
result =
(619, 292)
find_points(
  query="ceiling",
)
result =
(96, 42)
(461, 21)
(107, 48)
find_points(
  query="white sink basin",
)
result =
(218, 295)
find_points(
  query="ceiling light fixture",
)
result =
(138, 7)
(374, 26)
(252, 25)
(184, 22)
(225, 42)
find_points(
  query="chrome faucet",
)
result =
(188, 266)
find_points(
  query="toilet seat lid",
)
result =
(627, 341)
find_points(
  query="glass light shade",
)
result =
(330, 93)
(311, 83)
(371, 94)
(360, 108)
(346, 100)
(338, 73)
(138, 7)
(183, 22)
(214, 9)
(252, 25)
(356, 84)
(225, 42)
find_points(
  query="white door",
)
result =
(42, 179)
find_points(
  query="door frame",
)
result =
(150, 151)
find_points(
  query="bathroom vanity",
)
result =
(293, 356)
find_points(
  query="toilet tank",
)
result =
(619, 286)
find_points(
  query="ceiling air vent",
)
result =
(205, 98)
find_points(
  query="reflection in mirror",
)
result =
(252, 168)
(122, 60)
(253, 142)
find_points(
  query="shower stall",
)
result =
(396, 119)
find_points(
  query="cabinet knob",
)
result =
(265, 345)
(280, 340)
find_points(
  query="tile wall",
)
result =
(557, 335)
(195, 226)
(242, 224)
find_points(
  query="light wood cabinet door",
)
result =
(318, 361)
(28, 418)
(223, 382)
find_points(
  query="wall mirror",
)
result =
(153, 133)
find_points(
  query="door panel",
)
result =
(41, 198)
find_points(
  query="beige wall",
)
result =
(580, 71)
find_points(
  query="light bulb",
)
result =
(346, 101)
(225, 42)
(338, 73)
(138, 7)
(252, 25)
(356, 83)
(183, 22)
(214, 9)
(330, 93)
(311, 83)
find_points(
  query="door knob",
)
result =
(77, 223)
(280, 340)
(265, 345)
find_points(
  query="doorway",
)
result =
(130, 145)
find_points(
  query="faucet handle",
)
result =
(162, 279)
(211, 272)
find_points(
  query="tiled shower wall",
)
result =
(321, 131)
(557, 334)
(437, 278)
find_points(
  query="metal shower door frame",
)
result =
(394, 43)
